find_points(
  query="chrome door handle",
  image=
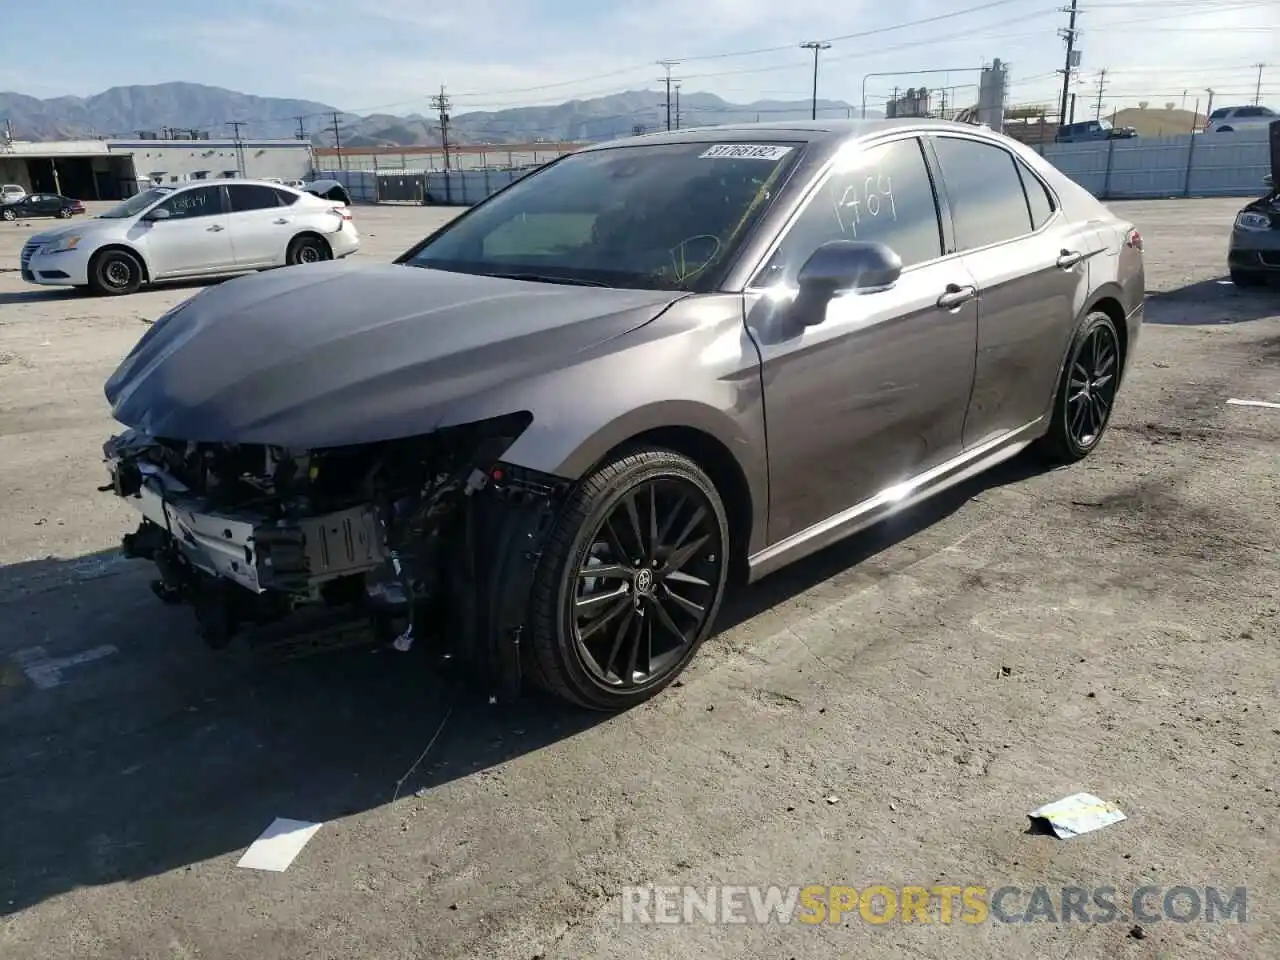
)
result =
(281, 220)
(215, 228)
(1069, 258)
(956, 296)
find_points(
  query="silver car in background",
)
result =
(211, 228)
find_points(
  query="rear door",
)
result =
(1032, 272)
(259, 225)
(193, 240)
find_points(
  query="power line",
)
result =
(817, 46)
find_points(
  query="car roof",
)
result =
(823, 132)
(221, 181)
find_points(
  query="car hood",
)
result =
(81, 228)
(334, 354)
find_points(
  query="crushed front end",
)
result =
(399, 533)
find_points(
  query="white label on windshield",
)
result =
(745, 151)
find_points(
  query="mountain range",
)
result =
(125, 111)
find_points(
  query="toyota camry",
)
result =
(552, 432)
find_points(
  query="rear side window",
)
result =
(285, 197)
(988, 204)
(1219, 113)
(252, 196)
(1039, 200)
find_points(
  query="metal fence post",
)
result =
(1106, 180)
(1191, 152)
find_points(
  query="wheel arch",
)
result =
(309, 234)
(123, 248)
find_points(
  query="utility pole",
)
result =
(441, 102)
(817, 46)
(337, 141)
(302, 130)
(1208, 110)
(667, 65)
(235, 126)
(8, 131)
(677, 89)
(1257, 91)
(1102, 85)
(1072, 59)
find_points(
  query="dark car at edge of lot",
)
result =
(1253, 254)
(41, 205)
(1087, 131)
(550, 433)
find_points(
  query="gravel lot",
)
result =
(1111, 628)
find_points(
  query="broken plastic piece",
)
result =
(405, 640)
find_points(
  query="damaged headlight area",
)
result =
(428, 534)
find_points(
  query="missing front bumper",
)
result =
(296, 557)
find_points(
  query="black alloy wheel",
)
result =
(1087, 393)
(64, 213)
(637, 571)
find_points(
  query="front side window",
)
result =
(200, 202)
(881, 193)
(985, 193)
(659, 216)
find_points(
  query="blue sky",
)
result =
(392, 54)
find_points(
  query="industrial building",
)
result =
(428, 158)
(115, 169)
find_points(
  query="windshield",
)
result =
(660, 217)
(135, 204)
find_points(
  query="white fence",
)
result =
(1188, 165)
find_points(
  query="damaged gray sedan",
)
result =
(549, 435)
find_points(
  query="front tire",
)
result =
(113, 273)
(1086, 392)
(8, 215)
(631, 580)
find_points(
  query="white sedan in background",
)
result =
(209, 229)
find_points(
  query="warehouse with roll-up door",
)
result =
(115, 169)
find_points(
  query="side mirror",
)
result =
(159, 213)
(859, 266)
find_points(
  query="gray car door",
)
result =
(1031, 266)
(875, 394)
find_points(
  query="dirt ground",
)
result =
(885, 713)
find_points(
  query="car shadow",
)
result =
(54, 294)
(130, 750)
(1211, 303)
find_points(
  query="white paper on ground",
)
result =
(1254, 403)
(1077, 814)
(278, 845)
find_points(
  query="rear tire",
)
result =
(113, 273)
(1086, 393)
(8, 215)
(630, 581)
(307, 249)
(64, 214)
(1248, 278)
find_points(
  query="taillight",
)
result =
(1134, 240)
(343, 212)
